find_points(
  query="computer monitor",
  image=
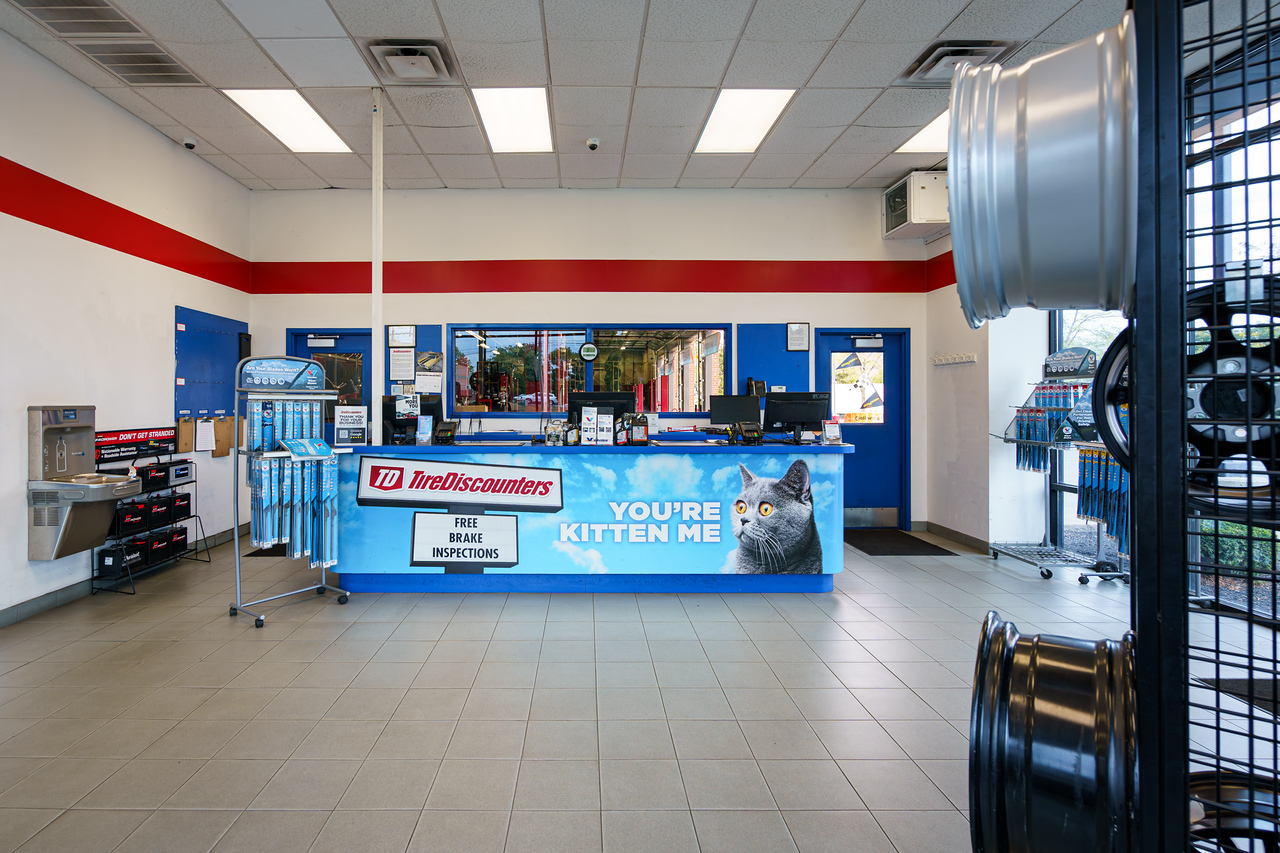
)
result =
(622, 403)
(396, 429)
(727, 409)
(796, 411)
(433, 405)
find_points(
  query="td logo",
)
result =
(384, 478)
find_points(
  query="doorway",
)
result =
(345, 355)
(868, 372)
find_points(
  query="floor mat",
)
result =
(273, 551)
(892, 543)
(1265, 693)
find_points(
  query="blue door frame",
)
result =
(880, 468)
(347, 341)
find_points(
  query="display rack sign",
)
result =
(130, 444)
(280, 374)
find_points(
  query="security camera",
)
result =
(593, 144)
(189, 143)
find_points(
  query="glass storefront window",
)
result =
(517, 370)
(670, 370)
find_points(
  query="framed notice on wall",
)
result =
(797, 337)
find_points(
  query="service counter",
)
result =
(677, 517)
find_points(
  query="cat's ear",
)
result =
(746, 475)
(797, 479)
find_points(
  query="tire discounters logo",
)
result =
(437, 484)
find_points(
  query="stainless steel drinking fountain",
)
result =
(69, 504)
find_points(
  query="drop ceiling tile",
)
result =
(717, 166)
(775, 166)
(874, 183)
(74, 62)
(786, 20)
(774, 65)
(349, 107)
(820, 184)
(591, 165)
(487, 63)
(896, 165)
(1083, 20)
(242, 139)
(598, 20)
(846, 167)
(474, 183)
(228, 165)
(906, 108)
(138, 105)
(684, 63)
(452, 167)
(196, 107)
(255, 183)
(649, 183)
(405, 167)
(177, 133)
(395, 140)
(428, 106)
(572, 138)
(191, 21)
(388, 18)
(320, 61)
(654, 166)
(872, 140)
(592, 63)
(706, 183)
(349, 183)
(793, 140)
(895, 21)
(492, 20)
(853, 64)
(526, 166)
(286, 18)
(1030, 50)
(589, 183)
(299, 184)
(999, 19)
(22, 27)
(763, 183)
(591, 105)
(645, 139)
(531, 183)
(670, 107)
(708, 20)
(239, 64)
(450, 140)
(332, 166)
(815, 107)
(414, 183)
(275, 167)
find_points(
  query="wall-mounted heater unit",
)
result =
(916, 206)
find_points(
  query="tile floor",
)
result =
(511, 723)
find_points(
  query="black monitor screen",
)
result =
(389, 412)
(804, 410)
(727, 409)
(433, 405)
(622, 403)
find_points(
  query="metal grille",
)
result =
(1231, 341)
(46, 516)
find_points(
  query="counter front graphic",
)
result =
(545, 512)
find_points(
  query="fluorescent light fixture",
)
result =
(515, 120)
(289, 118)
(740, 120)
(931, 138)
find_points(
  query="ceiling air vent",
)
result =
(138, 63)
(413, 62)
(933, 68)
(70, 18)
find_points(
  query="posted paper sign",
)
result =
(429, 383)
(349, 425)
(441, 539)
(401, 365)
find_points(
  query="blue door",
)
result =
(345, 355)
(868, 374)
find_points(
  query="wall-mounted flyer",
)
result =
(400, 367)
(350, 425)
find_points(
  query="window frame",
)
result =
(590, 329)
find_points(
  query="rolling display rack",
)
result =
(295, 489)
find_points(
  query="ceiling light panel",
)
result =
(931, 138)
(289, 118)
(740, 120)
(515, 120)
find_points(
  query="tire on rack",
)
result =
(1110, 391)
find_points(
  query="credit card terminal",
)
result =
(445, 432)
(749, 432)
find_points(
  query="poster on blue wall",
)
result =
(661, 513)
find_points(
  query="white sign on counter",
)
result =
(441, 538)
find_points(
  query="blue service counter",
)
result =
(678, 517)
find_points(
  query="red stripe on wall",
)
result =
(312, 277)
(44, 201)
(940, 271)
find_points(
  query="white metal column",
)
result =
(378, 369)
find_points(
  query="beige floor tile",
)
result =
(224, 784)
(952, 778)
(268, 673)
(709, 739)
(49, 737)
(327, 674)
(641, 785)
(753, 703)
(413, 739)
(267, 739)
(506, 674)
(235, 703)
(177, 831)
(563, 703)
(827, 704)
(894, 786)
(141, 784)
(388, 674)
(59, 783)
(13, 770)
(611, 674)
(397, 784)
(558, 785)
(351, 739)
(726, 784)
(649, 832)
(209, 674)
(856, 739)
(742, 832)
(104, 702)
(487, 739)
(436, 673)
(21, 824)
(169, 703)
(497, 704)
(809, 785)
(925, 831)
(635, 739)
(696, 703)
(307, 784)
(561, 739)
(300, 703)
(468, 784)
(366, 704)
(839, 832)
(366, 831)
(676, 674)
(120, 739)
(38, 702)
(567, 832)
(460, 832)
(923, 739)
(272, 832)
(85, 831)
(782, 739)
(440, 703)
(193, 739)
(630, 704)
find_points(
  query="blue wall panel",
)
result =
(429, 340)
(762, 354)
(206, 349)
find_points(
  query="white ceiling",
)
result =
(640, 75)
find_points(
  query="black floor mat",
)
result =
(892, 543)
(273, 551)
(1266, 694)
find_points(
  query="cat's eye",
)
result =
(741, 507)
(766, 508)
